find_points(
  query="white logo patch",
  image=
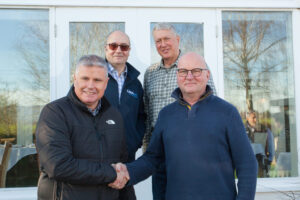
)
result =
(110, 121)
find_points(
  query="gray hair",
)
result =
(164, 26)
(91, 60)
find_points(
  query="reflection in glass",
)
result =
(24, 82)
(191, 39)
(258, 75)
(89, 38)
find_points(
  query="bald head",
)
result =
(115, 52)
(192, 58)
(192, 77)
(116, 34)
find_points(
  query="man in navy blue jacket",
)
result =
(202, 140)
(124, 91)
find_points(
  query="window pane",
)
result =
(24, 88)
(191, 39)
(258, 74)
(89, 38)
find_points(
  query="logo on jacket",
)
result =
(131, 93)
(110, 121)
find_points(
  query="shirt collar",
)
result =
(173, 65)
(112, 70)
(96, 111)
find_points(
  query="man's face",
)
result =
(117, 56)
(252, 119)
(90, 83)
(167, 44)
(192, 85)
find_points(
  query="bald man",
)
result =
(124, 91)
(202, 140)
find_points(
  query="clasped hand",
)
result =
(122, 176)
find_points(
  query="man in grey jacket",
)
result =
(78, 137)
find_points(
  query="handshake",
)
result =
(122, 176)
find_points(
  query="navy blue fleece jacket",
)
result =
(131, 106)
(202, 147)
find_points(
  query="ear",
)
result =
(178, 39)
(74, 77)
(207, 74)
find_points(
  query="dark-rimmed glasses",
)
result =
(114, 46)
(195, 72)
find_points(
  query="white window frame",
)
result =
(271, 185)
(56, 67)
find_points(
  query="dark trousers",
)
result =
(159, 183)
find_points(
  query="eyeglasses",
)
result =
(114, 46)
(195, 72)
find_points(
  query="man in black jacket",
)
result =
(78, 137)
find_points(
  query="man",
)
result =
(78, 137)
(202, 140)
(159, 82)
(124, 91)
(250, 125)
(263, 143)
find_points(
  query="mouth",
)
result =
(89, 92)
(165, 51)
(189, 84)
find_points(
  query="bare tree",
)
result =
(89, 38)
(33, 48)
(251, 54)
(8, 107)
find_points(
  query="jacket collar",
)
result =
(73, 97)
(132, 73)
(178, 95)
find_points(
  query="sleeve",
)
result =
(55, 153)
(243, 157)
(140, 126)
(124, 152)
(145, 165)
(147, 135)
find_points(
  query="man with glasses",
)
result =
(124, 91)
(202, 140)
(159, 82)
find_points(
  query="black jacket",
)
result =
(131, 106)
(76, 150)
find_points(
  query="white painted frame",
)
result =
(281, 184)
(271, 185)
(137, 26)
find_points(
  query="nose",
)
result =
(118, 49)
(189, 75)
(163, 43)
(91, 84)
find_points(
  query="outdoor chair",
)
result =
(4, 163)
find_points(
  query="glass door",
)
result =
(81, 31)
(196, 28)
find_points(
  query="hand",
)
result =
(122, 176)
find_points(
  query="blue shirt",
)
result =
(120, 79)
